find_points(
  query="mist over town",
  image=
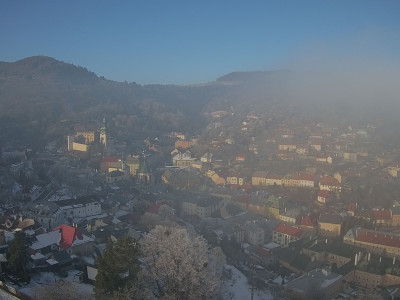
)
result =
(154, 156)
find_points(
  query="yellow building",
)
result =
(329, 225)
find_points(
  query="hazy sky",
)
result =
(186, 41)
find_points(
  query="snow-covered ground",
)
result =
(45, 278)
(237, 287)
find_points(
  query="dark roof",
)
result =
(296, 259)
(330, 218)
(78, 200)
(62, 257)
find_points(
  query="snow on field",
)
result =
(45, 278)
(237, 288)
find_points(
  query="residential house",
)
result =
(393, 169)
(382, 217)
(329, 225)
(324, 196)
(185, 144)
(273, 206)
(115, 176)
(284, 234)
(133, 162)
(206, 157)
(215, 177)
(201, 206)
(254, 234)
(234, 178)
(329, 183)
(308, 222)
(319, 283)
(183, 159)
(63, 238)
(47, 213)
(374, 241)
(110, 163)
(259, 178)
(240, 157)
(350, 156)
(287, 146)
(81, 207)
(324, 158)
(289, 216)
(302, 150)
(273, 179)
(316, 144)
(395, 216)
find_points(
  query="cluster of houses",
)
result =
(220, 193)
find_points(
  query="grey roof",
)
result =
(77, 201)
(323, 278)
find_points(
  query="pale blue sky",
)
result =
(182, 42)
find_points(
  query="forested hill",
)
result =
(41, 97)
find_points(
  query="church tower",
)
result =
(103, 133)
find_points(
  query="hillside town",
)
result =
(304, 209)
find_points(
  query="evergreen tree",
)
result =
(117, 267)
(17, 256)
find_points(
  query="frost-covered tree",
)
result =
(177, 265)
(61, 290)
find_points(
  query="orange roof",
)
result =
(289, 230)
(378, 238)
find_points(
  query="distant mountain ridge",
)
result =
(44, 66)
(42, 98)
(37, 92)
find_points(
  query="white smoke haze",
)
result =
(358, 70)
(356, 76)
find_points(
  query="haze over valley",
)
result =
(200, 150)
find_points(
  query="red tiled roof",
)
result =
(328, 180)
(274, 176)
(394, 165)
(244, 198)
(110, 159)
(307, 221)
(289, 230)
(382, 214)
(323, 193)
(303, 176)
(68, 235)
(352, 207)
(154, 208)
(262, 252)
(378, 238)
(247, 187)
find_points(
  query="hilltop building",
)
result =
(83, 137)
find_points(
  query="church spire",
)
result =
(103, 133)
